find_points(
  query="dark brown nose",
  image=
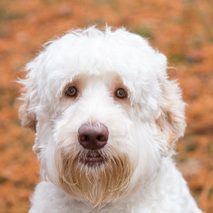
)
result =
(93, 135)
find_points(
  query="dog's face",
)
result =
(104, 113)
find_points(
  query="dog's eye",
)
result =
(71, 91)
(121, 93)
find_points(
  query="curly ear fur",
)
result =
(28, 119)
(29, 100)
(28, 104)
(171, 120)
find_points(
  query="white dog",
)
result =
(106, 118)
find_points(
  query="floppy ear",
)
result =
(26, 115)
(29, 100)
(171, 119)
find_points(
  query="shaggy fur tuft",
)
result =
(98, 185)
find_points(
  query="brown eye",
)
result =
(121, 93)
(71, 91)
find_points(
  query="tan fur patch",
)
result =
(166, 125)
(98, 185)
(171, 121)
(28, 119)
(118, 83)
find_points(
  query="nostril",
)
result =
(83, 137)
(102, 138)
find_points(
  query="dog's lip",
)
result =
(92, 158)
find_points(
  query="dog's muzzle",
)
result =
(92, 136)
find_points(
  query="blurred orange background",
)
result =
(182, 29)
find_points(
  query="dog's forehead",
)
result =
(99, 53)
(108, 79)
(94, 51)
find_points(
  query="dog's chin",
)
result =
(94, 176)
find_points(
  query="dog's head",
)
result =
(104, 112)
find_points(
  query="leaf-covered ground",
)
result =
(183, 30)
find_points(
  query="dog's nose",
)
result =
(93, 135)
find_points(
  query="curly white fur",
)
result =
(139, 175)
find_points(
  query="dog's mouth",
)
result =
(92, 158)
